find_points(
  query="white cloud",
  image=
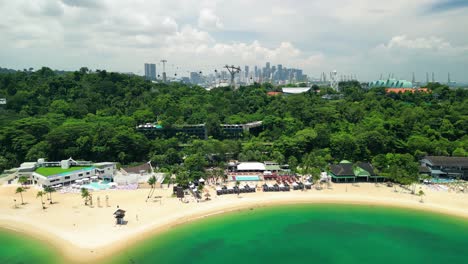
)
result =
(83, 3)
(363, 37)
(209, 20)
(430, 43)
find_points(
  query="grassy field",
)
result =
(48, 171)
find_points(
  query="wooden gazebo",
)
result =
(119, 216)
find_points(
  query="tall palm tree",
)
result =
(421, 194)
(207, 195)
(20, 190)
(151, 182)
(85, 195)
(49, 190)
(40, 194)
(23, 180)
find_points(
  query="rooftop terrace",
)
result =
(51, 171)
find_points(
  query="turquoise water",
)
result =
(98, 186)
(310, 234)
(17, 248)
(285, 234)
(441, 180)
(247, 178)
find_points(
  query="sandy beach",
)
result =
(86, 234)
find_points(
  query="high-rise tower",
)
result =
(150, 71)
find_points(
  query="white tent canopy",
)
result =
(251, 166)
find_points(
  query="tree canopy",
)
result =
(92, 115)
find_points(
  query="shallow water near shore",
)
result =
(309, 233)
(16, 248)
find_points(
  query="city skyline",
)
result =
(365, 39)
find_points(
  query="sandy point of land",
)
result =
(87, 234)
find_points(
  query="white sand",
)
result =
(83, 233)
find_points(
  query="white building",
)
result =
(66, 172)
(251, 167)
(295, 90)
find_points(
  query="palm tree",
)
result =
(23, 180)
(40, 194)
(238, 190)
(207, 195)
(20, 190)
(85, 195)
(421, 194)
(49, 190)
(90, 199)
(151, 182)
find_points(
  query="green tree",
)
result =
(459, 152)
(85, 195)
(23, 180)
(49, 190)
(20, 190)
(421, 194)
(40, 194)
(151, 182)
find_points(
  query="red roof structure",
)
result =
(404, 90)
(274, 93)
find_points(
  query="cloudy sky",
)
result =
(363, 37)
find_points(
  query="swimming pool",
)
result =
(441, 180)
(247, 178)
(98, 186)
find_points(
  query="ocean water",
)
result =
(16, 248)
(309, 234)
(285, 234)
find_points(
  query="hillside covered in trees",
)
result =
(93, 116)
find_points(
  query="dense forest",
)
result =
(93, 116)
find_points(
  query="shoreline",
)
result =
(81, 251)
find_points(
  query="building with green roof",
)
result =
(391, 83)
(345, 171)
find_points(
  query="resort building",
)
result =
(139, 174)
(255, 171)
(342, 172)
(345, 171)
(200, 131)
(66, 172)
(450, 167)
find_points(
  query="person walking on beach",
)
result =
(107, 200)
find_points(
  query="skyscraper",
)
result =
(280, 72)
(195, 78)
(267, 71)
(246, 69)
(150, 71)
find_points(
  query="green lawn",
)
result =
(49, 171)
